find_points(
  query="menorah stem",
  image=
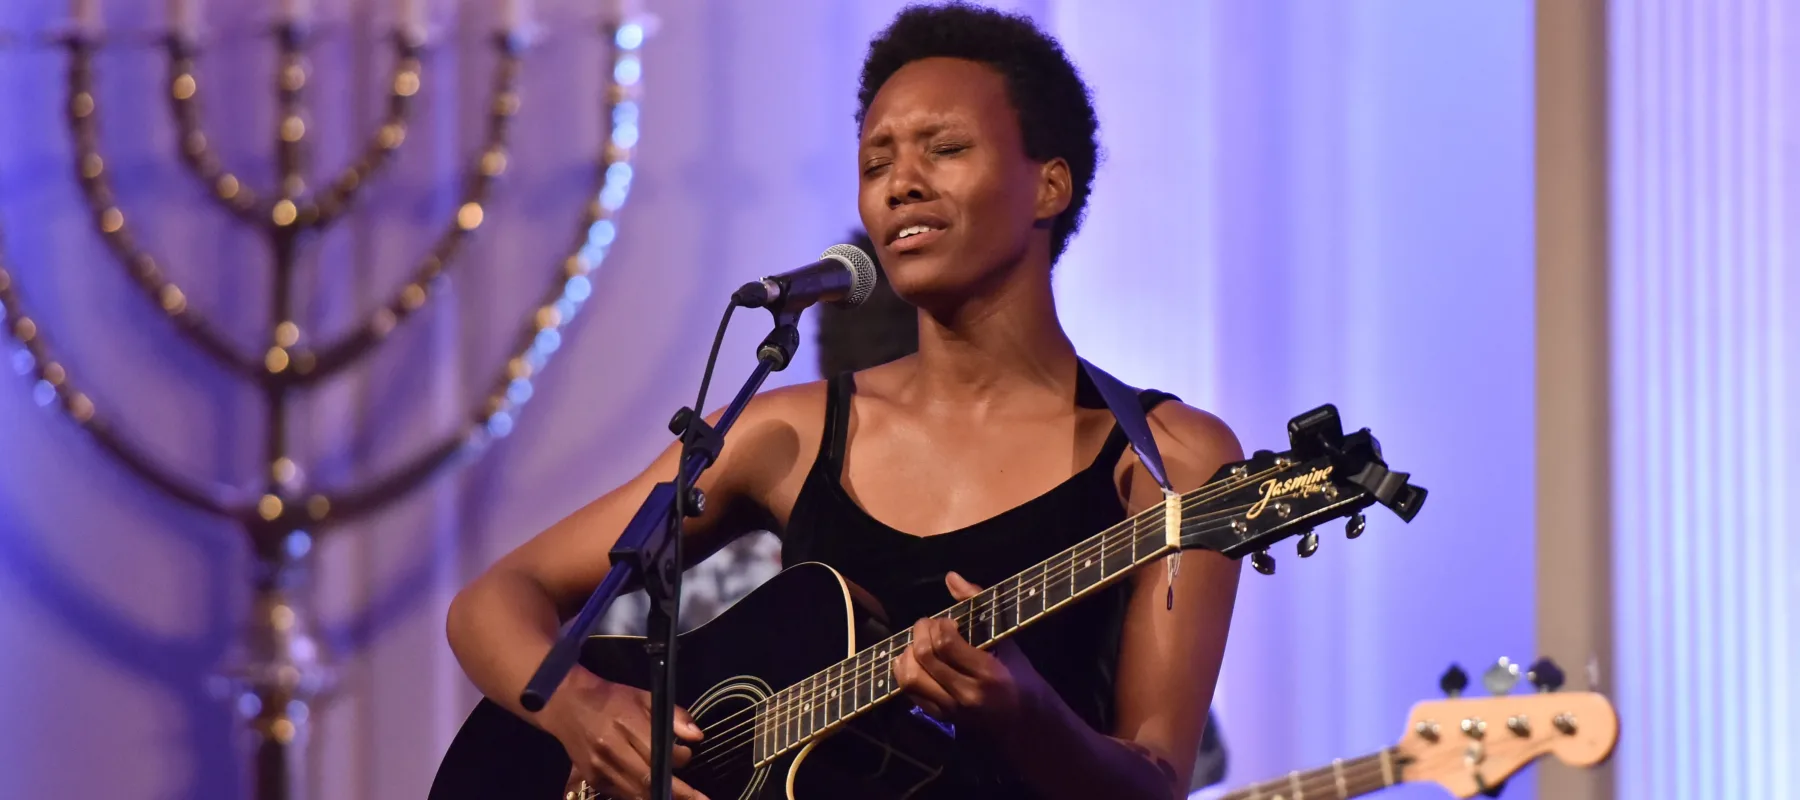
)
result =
(281, 669)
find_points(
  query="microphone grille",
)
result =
(862, 271)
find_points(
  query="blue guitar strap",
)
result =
(1125, 407)
(1122, 400)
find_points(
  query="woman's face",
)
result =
(948, 195)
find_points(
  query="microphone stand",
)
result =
(651, 549)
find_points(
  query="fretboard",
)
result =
(794, 715)
(1342, 780)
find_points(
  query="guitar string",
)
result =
(1371, 766)
(1319, 781)
(1200, 497)
(882, 661)
(1355, 770)
(1129, 530)
(1069, 564)
(1087, 548)
(857, 674)
(1126, 531)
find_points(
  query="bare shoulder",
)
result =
(796, 402)
(779, 422)
(1193, 444)
(769, 451)
(1195, 437)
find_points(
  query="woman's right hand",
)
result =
(605, 728)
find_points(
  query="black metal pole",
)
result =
(651, 548)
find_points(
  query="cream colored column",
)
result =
(1574, 525)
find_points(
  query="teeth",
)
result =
(913, 231)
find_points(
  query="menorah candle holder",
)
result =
(279, 670)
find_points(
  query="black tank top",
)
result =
(1075, 650)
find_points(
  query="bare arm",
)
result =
(1168, 658)
(501, 624)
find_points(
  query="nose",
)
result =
(907, 182)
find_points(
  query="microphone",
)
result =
(844, 274)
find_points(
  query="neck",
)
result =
(995, 345)
(1342, 780)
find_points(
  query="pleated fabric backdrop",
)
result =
(1705, 165)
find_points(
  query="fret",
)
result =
(1006, 614)
(1073, 557)
(1086, 570)
(859, 680)
(1059, 580)
(795, 714)
(1146, 543)
(1118, 550)
(798, 712)
(1348, 778)
(834, 694)
(790, 721)
(761, 750)
(1134, 542)
(1031, 602)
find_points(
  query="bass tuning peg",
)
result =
(1545, 675)
(1454, 681)
(1356, 525)
(1309, 544)
(1262, 562)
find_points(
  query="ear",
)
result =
(1055, 189)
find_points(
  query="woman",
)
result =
(977, 456)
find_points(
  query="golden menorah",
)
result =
(280, 669)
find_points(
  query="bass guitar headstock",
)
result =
(1324, 475)
(1471, 745)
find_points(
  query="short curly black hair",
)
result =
(1054, 106)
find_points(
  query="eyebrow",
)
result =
(885, 136)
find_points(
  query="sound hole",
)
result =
(723, 764)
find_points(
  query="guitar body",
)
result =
(798, 623)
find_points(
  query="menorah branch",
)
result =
(55, 385)
(342, 191)
(110, 219)
(311, 365)
(542, 335)
(195, 150)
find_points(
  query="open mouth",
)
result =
(913, 237)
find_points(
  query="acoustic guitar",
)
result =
(791, 683)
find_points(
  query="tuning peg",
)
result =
(1500, 678)
(1262, 562)
(1309, 544)
(1355, 526)
(1545, 675)
(1454, 681)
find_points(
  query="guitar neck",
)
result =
(1342, 780)
(794, 715)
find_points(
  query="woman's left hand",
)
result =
(954, 681)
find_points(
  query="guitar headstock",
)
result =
(1470, 745)
(1270, 496)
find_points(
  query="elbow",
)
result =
(459, 623)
